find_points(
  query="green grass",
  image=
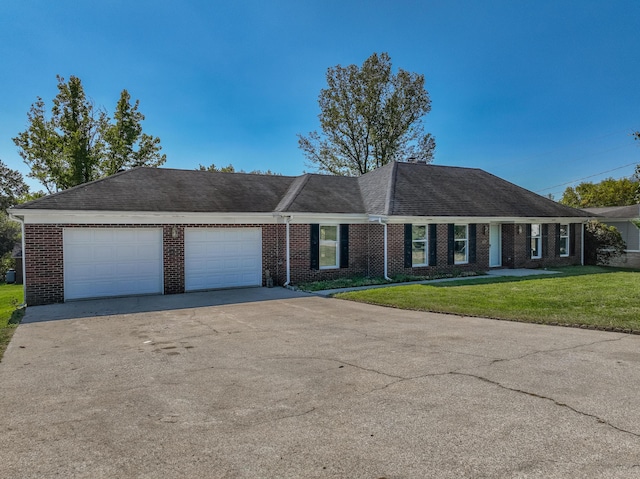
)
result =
(11, 296)
(580, 296)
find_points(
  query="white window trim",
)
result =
(322, 242)
(466, 245)
(539, 240)
(568, 253)
(424, 240)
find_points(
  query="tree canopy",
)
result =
(369, 116)
(608, 192)
(231, 169)
(12, 187)
(78, 142)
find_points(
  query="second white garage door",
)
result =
(222, 258)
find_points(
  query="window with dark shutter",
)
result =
(407, 245)
(472, 242)
(433, 246)
(572, 239)
(314, 246)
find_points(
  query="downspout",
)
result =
(24, 269)
(287, 220)
(385, 249)
(582, 246)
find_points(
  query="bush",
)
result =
(602, 243)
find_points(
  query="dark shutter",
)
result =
(450, 243)
(557, 252)
(528, 230)
(572, 239)
(314, 246)
(545, 240)
(472, 242)
(344, 246)
(408, 245)
(433, 245)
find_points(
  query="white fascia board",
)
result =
(477, 219)
(140, 217)
(327, 218)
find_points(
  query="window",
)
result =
(461, 244)
(329, 256)
(418, 245)
(564, 240)
(536, 241)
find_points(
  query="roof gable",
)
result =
(396, 189)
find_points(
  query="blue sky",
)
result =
(540, 93)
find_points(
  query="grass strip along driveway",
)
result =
(10, 316)
(595, 297)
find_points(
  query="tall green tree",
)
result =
(12, 187)
(608, 192)
(369, 116)
(12, 190)
(126, 145)
(78, 142)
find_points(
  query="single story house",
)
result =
(626, 219)
(166, 231)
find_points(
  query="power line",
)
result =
(586, 177)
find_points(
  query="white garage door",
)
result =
(112, 262)
(222, 258)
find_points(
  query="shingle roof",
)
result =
(160, 189)
(432, 190)
(632, 211)
(401, 189)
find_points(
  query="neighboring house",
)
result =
(626, 219)
(155, 231)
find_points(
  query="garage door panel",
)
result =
(112, 262)
(222, 258)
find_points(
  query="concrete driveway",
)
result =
(273, 384)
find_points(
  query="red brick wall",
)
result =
(44, 254)
(515, 250)
(44, 257)
(359, 262)
(43, 264)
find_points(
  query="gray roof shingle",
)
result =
(631, 211)
(401, 189)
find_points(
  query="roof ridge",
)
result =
(293, 192)
(391, 189)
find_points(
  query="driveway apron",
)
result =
(263, 383)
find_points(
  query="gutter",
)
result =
(287, 223)
(24, 269)
(379, 220)
(582, 246)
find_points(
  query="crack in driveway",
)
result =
(532, 353)
(547, 398)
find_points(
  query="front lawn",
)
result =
(596, 297)
(11, 296)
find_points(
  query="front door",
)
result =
(495, 245)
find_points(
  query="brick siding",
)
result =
(44, 254)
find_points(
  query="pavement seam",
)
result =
(539, 396)
(557, 349)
